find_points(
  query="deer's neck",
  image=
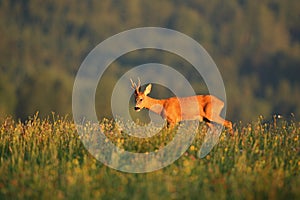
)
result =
(155, 105)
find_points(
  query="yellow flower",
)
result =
(75, 161)
(222, 159)
(192, 148)
(186, 163)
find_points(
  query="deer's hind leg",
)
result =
(218, 119)
(213, 115)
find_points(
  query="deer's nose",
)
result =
(137, 108)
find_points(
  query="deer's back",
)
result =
(190, 108)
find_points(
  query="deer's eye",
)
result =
(141, 99)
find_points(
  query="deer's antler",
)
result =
(134, 86)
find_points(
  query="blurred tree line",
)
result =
(255, 44)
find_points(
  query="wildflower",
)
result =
(75, 161)
(222, 159)
(186, 163)
(192, 148)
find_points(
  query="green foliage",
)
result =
(46, 159)
(255, 44)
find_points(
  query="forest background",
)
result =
(254, 43)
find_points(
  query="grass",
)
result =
(45, 159)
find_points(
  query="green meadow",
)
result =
(45, 159)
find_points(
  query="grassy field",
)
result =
(45, 159)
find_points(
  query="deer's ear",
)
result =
(148, 89)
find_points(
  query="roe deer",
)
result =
(201, 107)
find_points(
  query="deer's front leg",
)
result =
(170, 125)
(172, 122)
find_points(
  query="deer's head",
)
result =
(141, 98)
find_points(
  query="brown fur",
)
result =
(201, 107)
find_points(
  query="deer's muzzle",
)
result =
(137, 108)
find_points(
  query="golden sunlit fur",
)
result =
(201, 107)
